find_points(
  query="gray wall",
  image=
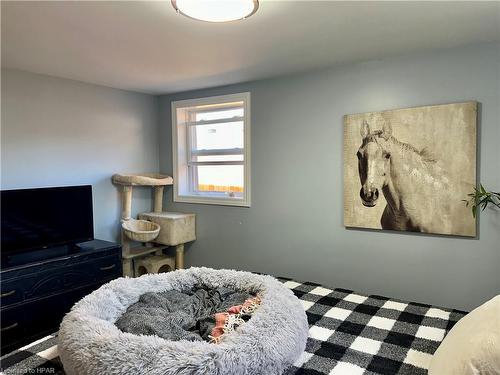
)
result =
(294, 227)
(62, 132)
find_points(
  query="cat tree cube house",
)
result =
(154, 264)
(155, 230)
(177, 229)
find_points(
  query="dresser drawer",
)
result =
(29, 287)
(11, 293)
(28, 321)
(108, 267)
(90, 272)
(40, 285)
(22, 322)
(44, 315)
(12, 325)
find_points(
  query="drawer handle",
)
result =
(9, 327)
(108, 267)
(8, 293)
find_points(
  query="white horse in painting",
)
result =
(418, 193)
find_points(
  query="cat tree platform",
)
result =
(144, 179)
(155, 180)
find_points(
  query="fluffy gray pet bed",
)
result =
(274, 337)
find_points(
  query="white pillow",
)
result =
(472, 347)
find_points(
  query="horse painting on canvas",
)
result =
(419, 190)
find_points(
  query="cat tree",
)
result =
(155, 230)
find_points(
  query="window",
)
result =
(211, 150)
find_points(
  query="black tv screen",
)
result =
(45, 217)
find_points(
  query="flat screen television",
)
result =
(37, 219)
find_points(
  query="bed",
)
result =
(349, 333)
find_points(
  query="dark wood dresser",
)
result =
(36, 295)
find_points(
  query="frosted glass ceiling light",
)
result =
(216, 10)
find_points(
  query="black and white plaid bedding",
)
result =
(354, 334)
(349, 334)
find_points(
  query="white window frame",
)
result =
(181, 152)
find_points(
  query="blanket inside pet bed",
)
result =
(200, 313)
(271, 338)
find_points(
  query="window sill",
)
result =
(212, 200)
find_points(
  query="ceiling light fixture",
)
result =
(216, 10)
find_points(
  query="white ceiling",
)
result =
(147, 47)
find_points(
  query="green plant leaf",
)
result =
(481, 198)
